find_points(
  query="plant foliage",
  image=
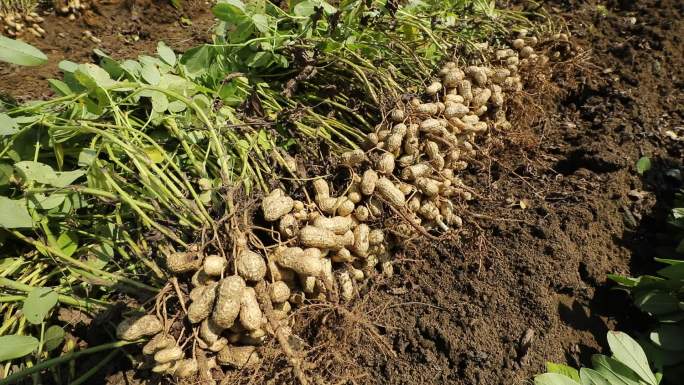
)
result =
(133, 159)
(627, 366)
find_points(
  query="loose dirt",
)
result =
(127, 28)
(560, 204)
(559, 210)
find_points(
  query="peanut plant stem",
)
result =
(13, 378)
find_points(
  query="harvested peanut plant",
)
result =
(137, 177)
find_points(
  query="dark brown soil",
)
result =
(464, 310)
(127, 28)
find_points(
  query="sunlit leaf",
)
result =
(68, 243)
(166, 53)
(14, 346)
(628, 351)
(590, 376)
(150, 73)
(18, 52)
(38, 303)
(554, 379)
(54, 335)
(8, 126)
(643, 165)
(14, 214)
(565, 370)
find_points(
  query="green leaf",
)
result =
(14, 346)
(6, 171)
(259, 60)
(43, 202)
(590, 376)
(553, 379)
(42, 173)
(261, 23)
(673, 272)
(614, 371)
(38, 303)
(197, 59)
(60, 87)
(18, 52)
(8, 126)
(669, 337)
(643, 165)
(669, 261)
(656, 302)
(565, 370)
(68, 243)
(159, 102)
(231, 11)
(166, 53)
(660, 357)
(14, 214)
(624, 281)
(54, 335)
(35, 171)
(132, 67)
(150, 73)
(65, 178)
(239, 25)
(304, 9)
(628, 351)
(92, 76)
(176, 106)
(86, 157)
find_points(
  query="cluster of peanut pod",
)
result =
(413, 159)
(70, 8)
(325, 246)
(17, 23)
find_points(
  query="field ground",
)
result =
(560, 207)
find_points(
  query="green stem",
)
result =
(76, 263)
(11, 298)
(65, 299)
(13, 378)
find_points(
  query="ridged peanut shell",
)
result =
(321, 188)
(173, 353)
(238, 356)
(303, 262)
(385, 164)
(183, 262)
(353, 157)
(214, 265)
(250, 313)
(368, 181)
(279, 292)
(376, 237)
(210, 332)
(390, 192)
(346, 286)
(337, 224)
(132, 329)
(186, 368)
(317, 237)
(275, 207)
(288, 226)
(201, 308)
(158, 342)
(250, 265)
(361, 242)
(229, 294)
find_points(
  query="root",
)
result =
(281, 336)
